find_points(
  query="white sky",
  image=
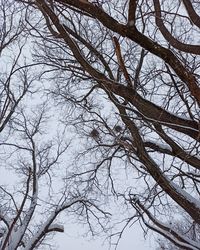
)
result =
(132, 239)
(73, 239)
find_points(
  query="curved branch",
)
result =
(163, 229)
(146, 108)
(191, 12)
(193, 49)
(177, 150)
(133, 34)
(180, 196)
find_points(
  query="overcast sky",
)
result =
(132, 239)
(73, 239)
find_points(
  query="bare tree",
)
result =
(35, 190)
(183, 226)
(126, 74)
(28, 214)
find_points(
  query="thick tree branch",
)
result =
(165, 54)
(193, 49)
(191, 12)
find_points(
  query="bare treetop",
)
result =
(124, 76)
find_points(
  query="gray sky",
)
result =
(73, 239)
(132, 239)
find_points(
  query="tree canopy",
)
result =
(121, 80)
